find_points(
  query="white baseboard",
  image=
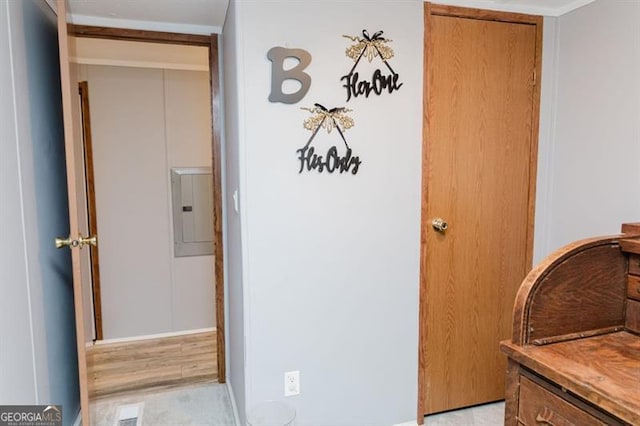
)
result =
(232, 397)
(152, 336)
(409, 423)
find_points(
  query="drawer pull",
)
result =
(546, 416)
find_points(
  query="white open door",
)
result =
(76, 241)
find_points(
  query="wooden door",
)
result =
(481, 104)
(75, 180)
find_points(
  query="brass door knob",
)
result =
(66, 242)
(88, 240)
(439, 225)
(80, 242)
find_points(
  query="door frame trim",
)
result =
(87, 142)
(128, 34)
(211, 42)
(430, 10)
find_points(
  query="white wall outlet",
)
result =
(291, 383)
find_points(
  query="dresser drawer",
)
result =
(634, 264)
(538, 406)
(633, 287)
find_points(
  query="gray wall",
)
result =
(39, 362)
(233, 235)
(330, 263)
(590, 161)
(161, 116)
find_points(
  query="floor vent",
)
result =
(129, 415)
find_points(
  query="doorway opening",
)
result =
(147, 102)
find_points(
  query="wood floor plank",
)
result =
(161, 362)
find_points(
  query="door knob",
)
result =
(88, 240)
(80, 242)
(66, 242)
(439, 225)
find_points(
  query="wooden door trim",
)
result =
(454, 11)
(92, 214)
(211, 42)
(485, 15)
(426, 153)
(138, 35)
(218, 248)
(70, 157)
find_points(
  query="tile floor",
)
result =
(209, 405)
(481, 415)
(202, 405)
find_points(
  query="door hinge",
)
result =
(535, 77)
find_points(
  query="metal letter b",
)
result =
(277, 55)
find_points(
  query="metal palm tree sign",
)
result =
(370, 47)
(328, 119)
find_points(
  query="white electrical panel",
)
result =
(192, 196)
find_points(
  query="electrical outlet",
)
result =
(291, 383)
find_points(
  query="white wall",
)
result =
(97, 51)
(38, 361)
(331, 262)
(145, 121)
(188, 136)
(546, 129)
(593, 176)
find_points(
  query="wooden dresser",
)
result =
(574, 358)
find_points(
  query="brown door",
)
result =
(481, 105)
(75, 179)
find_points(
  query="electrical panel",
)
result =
(192, 197)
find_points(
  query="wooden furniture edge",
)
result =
(512, 391)
(631, 228)
(569, 398)
(518, 354)
(630, 245)
(535, 277)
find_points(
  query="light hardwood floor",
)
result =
(161, 362)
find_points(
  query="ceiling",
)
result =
(181, 16)
(207, 16)
(534, 7)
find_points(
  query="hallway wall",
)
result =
(144, 122)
